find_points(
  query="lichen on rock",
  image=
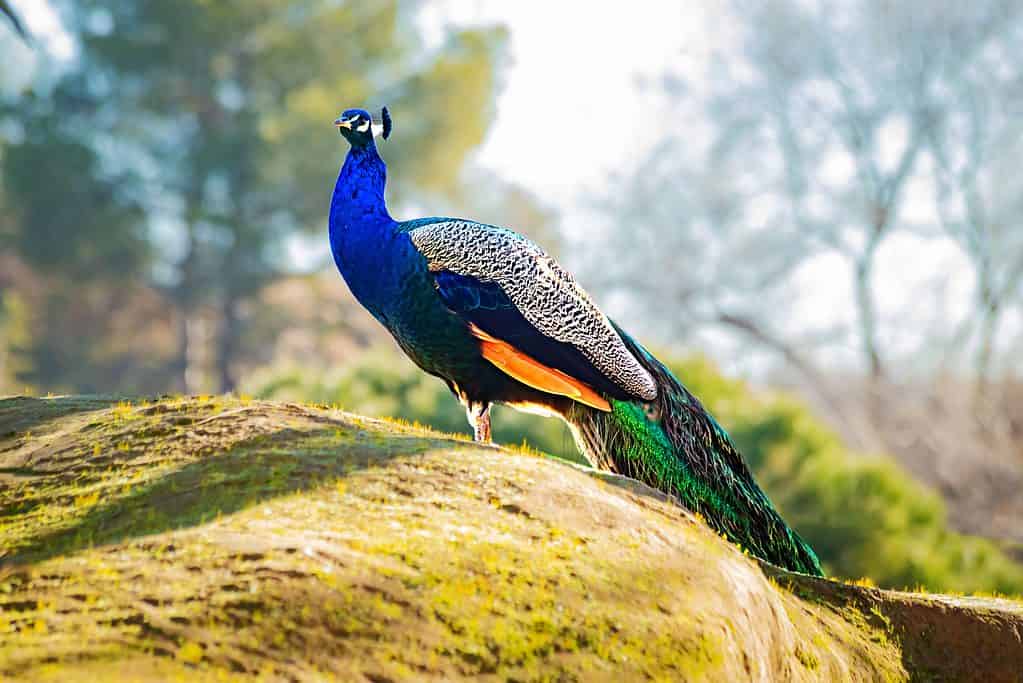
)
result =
(212, 538)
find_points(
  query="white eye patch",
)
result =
(364, 127)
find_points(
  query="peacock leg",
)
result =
(478, 413)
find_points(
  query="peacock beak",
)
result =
(343, 123)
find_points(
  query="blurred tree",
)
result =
(75, 245)
(672, 207)
(12, 17)
(15, 332)
(824, 116)
(980, 194)
(849, 108)
(225, 110)
(68, 214)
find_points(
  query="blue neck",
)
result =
(358, 199)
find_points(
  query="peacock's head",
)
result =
(357, 126)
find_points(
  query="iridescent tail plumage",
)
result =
(677, 447)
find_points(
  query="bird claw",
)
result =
(479, 417)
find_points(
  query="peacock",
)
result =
(496, 318)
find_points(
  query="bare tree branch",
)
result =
(5, 9)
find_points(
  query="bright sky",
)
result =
(574, 70)
(42, 23)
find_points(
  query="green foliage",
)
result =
(82, 337)
(66, 214)
(864, 515)
(381, 384)
(14, 329)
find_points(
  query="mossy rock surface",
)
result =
(218, 538)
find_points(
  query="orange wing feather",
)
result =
(535, 374)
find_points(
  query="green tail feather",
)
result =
(677, 447)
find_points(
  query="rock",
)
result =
(213, 538)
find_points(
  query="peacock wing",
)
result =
(507, 287)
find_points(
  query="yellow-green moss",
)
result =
(210, 538)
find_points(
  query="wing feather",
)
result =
(540, 290)
(533, 373)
